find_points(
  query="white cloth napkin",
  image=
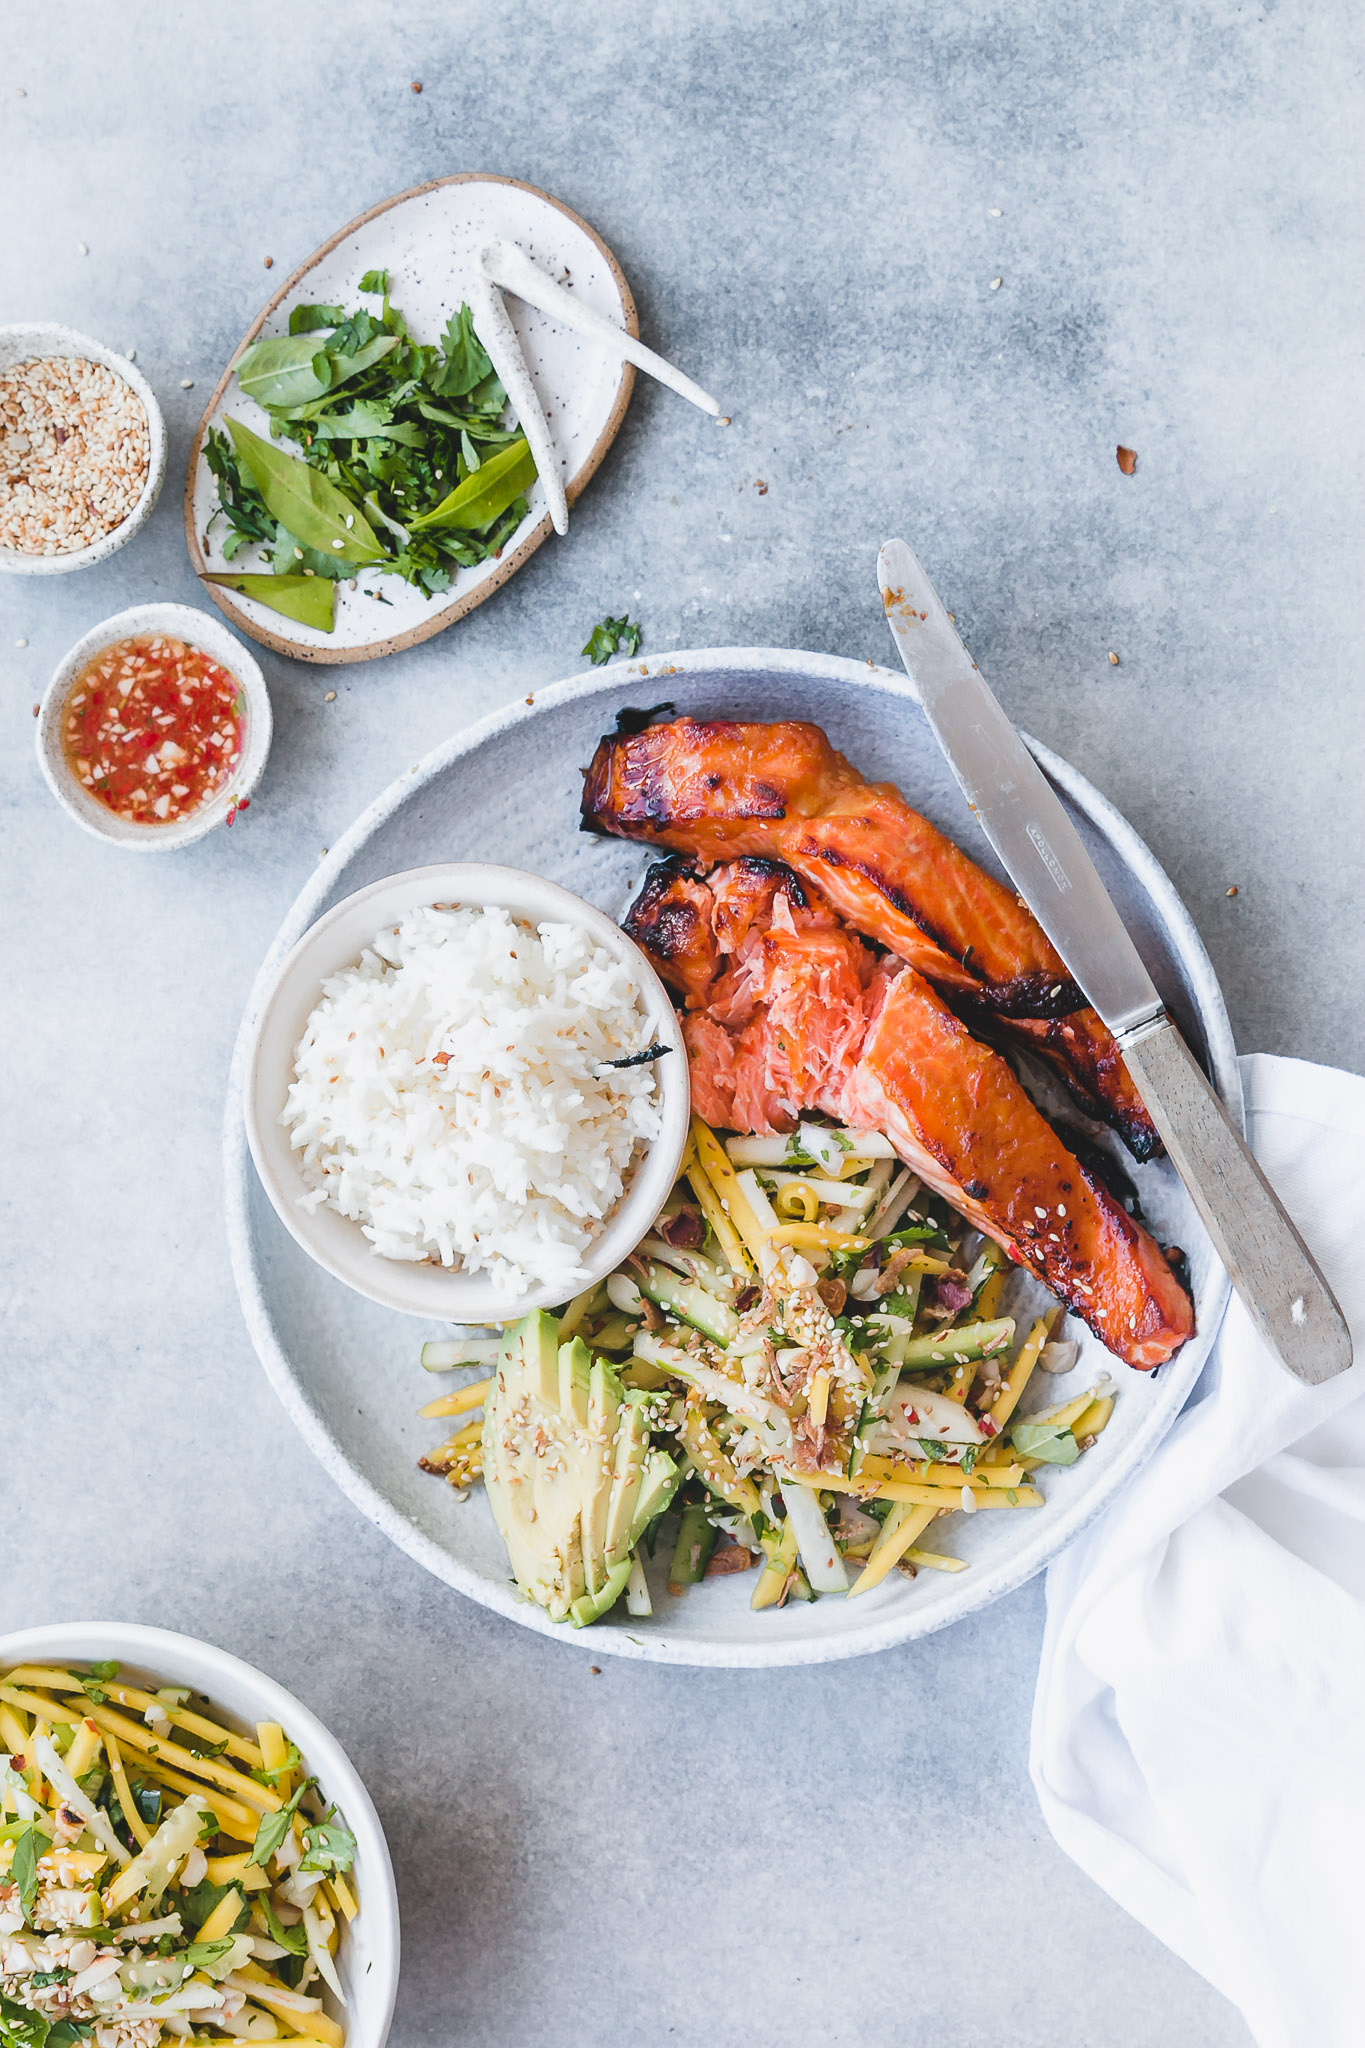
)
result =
(1198, 1738)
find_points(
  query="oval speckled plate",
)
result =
(428, 240)
(348, 1371)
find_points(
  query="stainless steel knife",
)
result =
(1269, 1264)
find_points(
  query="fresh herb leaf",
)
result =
(21, 2028)
(93, 1690)
(42, 1979)
(612, 636)
(284, 370)
(207, 1955)
(205, 1899)
(288, 558)
(106, 1669)
(308, 600)
(483, 497)
(933, 1452)
(374, 283)
(464, 363)
(308, 319)
(305, 501)
(67, 2033)
(294, 1939)
(291, 1763)
(275, 1826)
(23, 1868)
(328, 1846)
(969, 1457)
(1045, 1441)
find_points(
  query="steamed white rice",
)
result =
(452, 1097)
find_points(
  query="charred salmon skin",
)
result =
(722, 789)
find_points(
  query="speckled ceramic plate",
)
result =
(348, 1371)
(428, 240)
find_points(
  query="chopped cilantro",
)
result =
(328, 1846)
(612, 636)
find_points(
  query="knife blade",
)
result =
(1272, 1269)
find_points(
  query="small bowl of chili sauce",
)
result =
(155, 728)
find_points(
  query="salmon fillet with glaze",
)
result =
(723, 789)
(791, 1011)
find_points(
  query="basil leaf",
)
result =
(107, 1669)
(486, 495)
(327, 1846)
(308, 600)
(464, 362)
(292, 1938)
(67, 2033)
(93, 1690)
(285, 370)
(289, 559)
(307, 503)
(932, 1451)
(374, 282)
(21, 2028)
(307, 319)
(1045, 1441)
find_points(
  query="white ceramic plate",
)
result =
(348, 1372)
(428, 240)
(368, 1955)
(336, 942)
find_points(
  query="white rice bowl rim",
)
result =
(334, 944)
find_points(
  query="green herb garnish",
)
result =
(612, 636)
(21, 2028)
(23, 1868)
(1045, 1441)
(275, 1826)
(328, 1846)
(401, 459)
(294, 1939)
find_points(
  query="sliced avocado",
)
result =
(632, 1437)
(714, 1318)
(575, 1369)
(592, 1606)
(535, 1342)
(659, 1480)
(604, 1406)
(537, 1464)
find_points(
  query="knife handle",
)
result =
(1288, 1300)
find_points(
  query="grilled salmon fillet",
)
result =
(720, 789)
(789, 1010)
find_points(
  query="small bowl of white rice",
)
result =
(467, 1094)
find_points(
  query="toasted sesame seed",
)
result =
(74, 449)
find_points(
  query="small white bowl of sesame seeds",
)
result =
(155, 728)
(82, 450)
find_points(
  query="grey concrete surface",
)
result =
(803, 200)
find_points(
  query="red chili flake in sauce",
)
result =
(153, 728)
